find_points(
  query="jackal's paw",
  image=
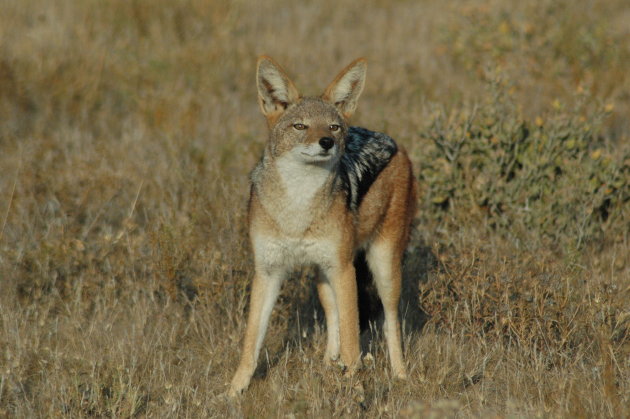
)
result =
(401, 375)
(349, 371)
(368, 360)
(235, 392)
(331, 358)
(239, 384)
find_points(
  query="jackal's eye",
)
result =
(334, 127)
(299, 126)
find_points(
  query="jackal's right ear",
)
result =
(275, 90)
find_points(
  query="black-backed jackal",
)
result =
(322, 192)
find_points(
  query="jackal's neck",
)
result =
(293, 192)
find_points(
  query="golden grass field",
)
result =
(127, 132)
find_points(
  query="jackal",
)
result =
(323, 192)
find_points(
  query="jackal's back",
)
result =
(366, 154)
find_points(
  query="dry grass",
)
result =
(127, 129)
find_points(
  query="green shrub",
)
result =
(555, 179)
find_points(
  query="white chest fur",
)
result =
(300, 184)
(284, 254)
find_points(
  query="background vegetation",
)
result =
(127, 130)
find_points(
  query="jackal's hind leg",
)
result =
(386, 270)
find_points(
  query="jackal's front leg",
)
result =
(265, 290)
(344, 287)
(329, 303)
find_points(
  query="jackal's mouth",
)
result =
(322, 155)
(315, 154)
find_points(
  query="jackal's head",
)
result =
(312, 129)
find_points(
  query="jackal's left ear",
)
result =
(345, 90)
(276, 91)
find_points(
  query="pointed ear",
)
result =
(275, 90)
(345, 90)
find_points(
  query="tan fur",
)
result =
(318, 227)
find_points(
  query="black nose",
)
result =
(326, 142)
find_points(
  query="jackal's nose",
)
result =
(326, 143)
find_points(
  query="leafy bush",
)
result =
(555, 178)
